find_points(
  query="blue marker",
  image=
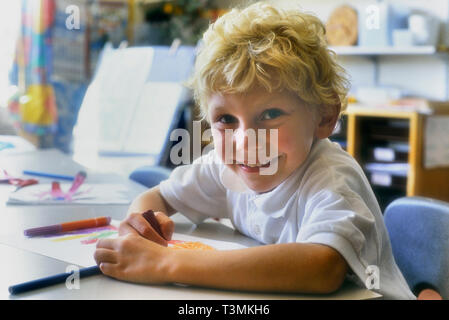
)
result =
(48, 175)
(51, 280)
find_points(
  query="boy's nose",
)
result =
(246, 145)
(241, 139)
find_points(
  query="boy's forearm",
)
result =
(150, 199)
(293, 267)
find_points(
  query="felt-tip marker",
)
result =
(68, 226)
(51, 280)
(48, 175)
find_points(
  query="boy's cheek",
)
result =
(288, 143)
(219, 144)
(295, 147)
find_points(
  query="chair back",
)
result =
(419, 234)
(150, 176)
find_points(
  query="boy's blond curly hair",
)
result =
(276, 48)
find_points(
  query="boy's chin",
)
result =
(257, 182)
(263, 190)
(261, 186)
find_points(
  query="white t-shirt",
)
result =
(327, 200)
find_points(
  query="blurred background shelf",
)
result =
(390, 50)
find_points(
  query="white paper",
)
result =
(110, 102)
(152, 117)
(14, 144)
(98, 193)
(78, 248)
(121, 78)
(436, 142)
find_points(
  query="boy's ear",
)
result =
(327, 122)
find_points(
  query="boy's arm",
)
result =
(150, 199)
(291, 267)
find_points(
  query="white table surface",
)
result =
(18, 265)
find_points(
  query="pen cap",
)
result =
(80, 176)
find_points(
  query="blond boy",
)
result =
(265, 68)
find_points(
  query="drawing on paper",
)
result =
(55, 193)
(88, 236)
(180, 244)
(78, 247)
(92, 235)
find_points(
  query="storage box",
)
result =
(377, 22)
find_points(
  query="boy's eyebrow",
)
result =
(218, 108)
(273, 102)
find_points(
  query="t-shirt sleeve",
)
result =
(195, 190)
(345, 223)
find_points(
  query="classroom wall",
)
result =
(426, 76)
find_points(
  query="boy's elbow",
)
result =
(334, 271)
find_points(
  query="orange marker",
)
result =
(68, 226)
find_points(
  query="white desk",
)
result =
(19, 265)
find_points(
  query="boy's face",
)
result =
(284, 112)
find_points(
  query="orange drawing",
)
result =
(179, 244)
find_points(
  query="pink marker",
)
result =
(79, 179)
(56, 192)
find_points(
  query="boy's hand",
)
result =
(133, 258)
(135, 223)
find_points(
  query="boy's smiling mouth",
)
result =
(254, 168)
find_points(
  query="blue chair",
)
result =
(150, 176)
(419, 235)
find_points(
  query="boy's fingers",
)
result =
(107, 244)
(105, 255)
(108, 269)
(125, 228)
(166, 224)
(138, 222)
(144, 228)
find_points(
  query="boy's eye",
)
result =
(226, 119)
(271, 114)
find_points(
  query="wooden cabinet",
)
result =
(389, 145)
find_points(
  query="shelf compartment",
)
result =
(387, 180)
(378, 130)
(386, 154)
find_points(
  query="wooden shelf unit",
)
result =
(420, 181)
